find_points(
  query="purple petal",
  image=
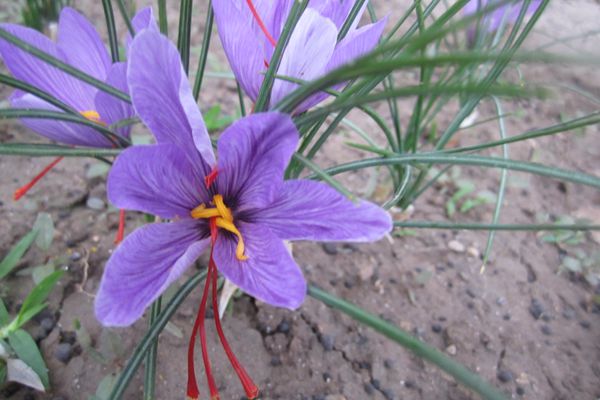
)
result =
(144, 19)
(270, 273)
(36, 72)
(336, 10)
(111, 109)
(356, 44)
(63, 132)
(309, 210)
(507, 13)
(163, 99)
(156, 179)
(308, 52)
(243, 45)
(81, 46)
(253, 155)
(143, 267)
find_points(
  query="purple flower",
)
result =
(249, 32)
(78, 44)
(245, 197)
(504, 14)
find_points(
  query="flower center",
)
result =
(223, 218)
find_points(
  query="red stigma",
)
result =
(261, 24)
(210, 178)
(211, 283)
(121, 230)
(20, 192)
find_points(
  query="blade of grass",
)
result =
(496, 227)
(204, 50)
(183, 40)
(126, 17)
(162, 17)
(47, 150)
(112, 30)
(150, 364)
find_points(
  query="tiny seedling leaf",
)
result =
(18, 371)
(26, 349)
(16, 253)
(105, 387)
(45, 230)
(34, 302)
(41, 272)
(97, 170)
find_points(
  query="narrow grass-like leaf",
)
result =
(47, 150)
(322, 175)
(162, 17)
(126, 17)
(36, 298)
(489, 162)
(476, 226)
(26, 87)
(183, 39)
(15, 254)
(11, 113)
(113, 41)
(150, 364)
(204, 50)
(358, 5)
(412, 344)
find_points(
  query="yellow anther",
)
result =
(230, 227)
(93, 116)
(223, 219)
(201, 212)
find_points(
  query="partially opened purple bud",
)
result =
(249, 31)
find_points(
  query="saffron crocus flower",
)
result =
(78, 44)
(249, 32)
(502, 15)
(239, 204)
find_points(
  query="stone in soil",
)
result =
(504, 376)
(64, 352)
(536, 309)
(456, 246)
(327, 341)
(546, 330)
(437, 328)
(330, 248)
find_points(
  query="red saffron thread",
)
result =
(249, 386)
(121, 230)
(210, 178)
(261, 24)
(25, 188)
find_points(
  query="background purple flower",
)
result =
(312, 50)
(504, 14)
(167, 180)
(78, 44)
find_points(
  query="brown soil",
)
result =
(527, 329)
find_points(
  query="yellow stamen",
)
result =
(223, 219)
(93, 116)
(230, 227)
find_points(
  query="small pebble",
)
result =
(283, 327)
(369, 389)
(585, 324)
(536, 309)
(47, 324)
(389, 364)
(364, 365)
(506, 317)
(326, 377)
(376, 384)
(501, 301)
(520, 391)
(388, 394)
(456, 246)
(76, 256)
(327, 341)
(451, 350)
(473, 252)
(437, 328)
(275, 361)
(410, 384)
(95, 203)
(471, 292)
(330, 248)
(546, 330)
(63, 352)
(504, 375)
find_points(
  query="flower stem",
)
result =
(458, 371)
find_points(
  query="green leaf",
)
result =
(3, 372)
(34, 302)
(4, 317)
(105, 387)
(16, 253)
(18, 371)
(26, 349)
(45, 230)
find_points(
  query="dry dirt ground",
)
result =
(527, 329)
